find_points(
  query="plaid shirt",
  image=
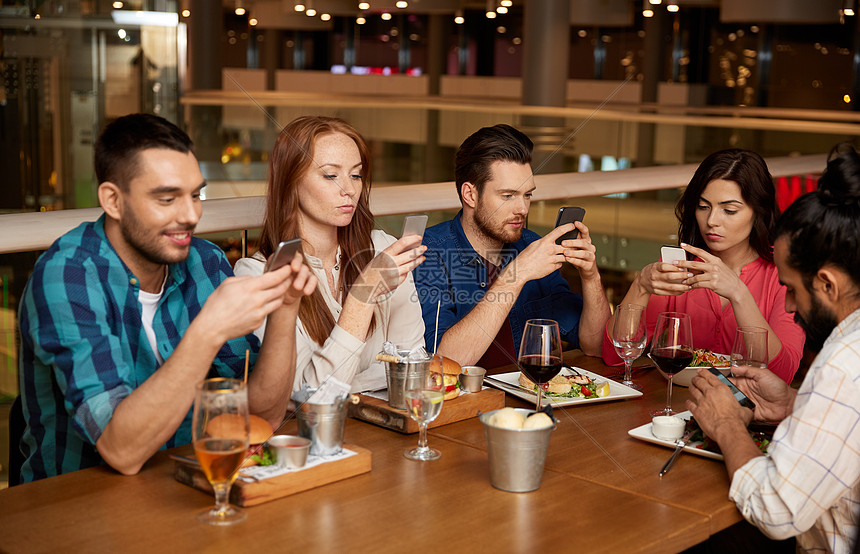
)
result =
(809, 484)
(84, 349)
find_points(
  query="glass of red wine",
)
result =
(671, 349)
(540, 353)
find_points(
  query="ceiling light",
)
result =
(672, 6)
(325, 16)
(299, 7)
(240, 11)
(385, 16)
(655, 2)
(117, 5)
(402, 4)
(647, 13)
(360, 20)
(186, 13)
(502, 10)
(310, 12)
(491, 15)
(364, 5)
(506, 3)
(459, 19)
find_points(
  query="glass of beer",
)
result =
(220, 435)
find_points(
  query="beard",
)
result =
(817, 324)
(144, 241)
(496, 231)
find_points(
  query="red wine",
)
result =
(672, 360)
(540, 369)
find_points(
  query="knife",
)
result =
(503, 385)
(682, 442)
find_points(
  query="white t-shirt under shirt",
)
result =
(148, 303)
(398, 319)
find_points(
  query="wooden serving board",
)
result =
(377, 411)
(244, 493)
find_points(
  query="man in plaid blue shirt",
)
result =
(123, 316)
(808, 485)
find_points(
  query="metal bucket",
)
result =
(517, 456)
(322, 424)
(399, 376)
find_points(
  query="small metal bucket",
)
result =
(400, 376)
(517, 456)
(321, 423)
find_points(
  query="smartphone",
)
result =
(569, 214)
(284, 254)
(742, 399)
(414, 225)
(672, 254)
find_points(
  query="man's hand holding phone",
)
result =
(716, 407)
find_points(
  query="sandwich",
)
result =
(259, 431)
(450, 371)
(557, 385)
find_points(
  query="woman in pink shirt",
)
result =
(726, 214)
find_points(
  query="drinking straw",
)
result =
(247, 352)
(436, 334)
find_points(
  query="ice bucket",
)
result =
(399, 375)
(516, 456)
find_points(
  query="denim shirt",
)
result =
(454, 273)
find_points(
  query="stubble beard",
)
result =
(498, 232)
(143, 241)
(817, 324)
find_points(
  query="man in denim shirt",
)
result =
(490, 274)
(123, 316)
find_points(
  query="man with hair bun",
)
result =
(809, 484)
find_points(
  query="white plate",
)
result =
(643, 432)
(617, 391)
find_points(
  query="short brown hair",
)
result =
(487, 145)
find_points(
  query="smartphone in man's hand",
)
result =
(569, 214)
(284, 254)
(742, 399)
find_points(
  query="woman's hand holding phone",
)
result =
(388, 269)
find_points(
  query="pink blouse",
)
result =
(714, 326)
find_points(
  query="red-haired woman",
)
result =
(319, 183)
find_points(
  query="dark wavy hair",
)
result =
(292, 157)
(823, 226)
(117, 147)
(749, 171)
(483, 147)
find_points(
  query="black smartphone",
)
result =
(569, 214)
(742, 399)
(284, 254)
(414, 225)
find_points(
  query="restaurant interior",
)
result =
(622, 99)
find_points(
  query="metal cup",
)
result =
(291, 452)
(322, 424)
(517, 456)
(472, 378)
(403, 375)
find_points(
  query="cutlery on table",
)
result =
(682, 442)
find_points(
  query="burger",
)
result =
(450, 371)
(259, 431)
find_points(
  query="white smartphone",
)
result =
(284, 254)
(671, 254)
(414, 225)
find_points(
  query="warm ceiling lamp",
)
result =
(491, 14)
(385, 16)
(325, 16)
(117, 5)
(360, 20)
(458, 17)
(240, 7)
(655, 2)
(672, 6)
(299, 7)
(647, 12)
(310, 12)
(847, 8)
(186, 13)
(402, 4)
(253, 22)
(364, 5)
(506, 3)
(502, 10)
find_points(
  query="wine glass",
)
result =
(750, 347)
(671, 349)
(424, 398)
(540, 353)
(629, 338)
(220, 435)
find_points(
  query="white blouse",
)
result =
(398, 319)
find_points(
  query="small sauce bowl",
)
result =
(291, 452)
(669, 428)
(472, 378)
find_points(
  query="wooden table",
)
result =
(600, 492)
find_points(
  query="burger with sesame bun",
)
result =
(450, 371)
